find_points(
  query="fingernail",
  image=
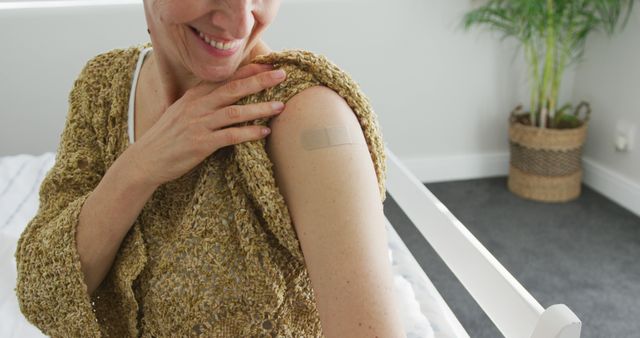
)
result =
(278, 74)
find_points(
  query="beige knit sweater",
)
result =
(212, 253)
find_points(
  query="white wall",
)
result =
(437, 90)
(442, 94)
(610, 80)
(43, 51)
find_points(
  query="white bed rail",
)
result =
(506, 302)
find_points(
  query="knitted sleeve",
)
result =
(50, 286)
(304, 69)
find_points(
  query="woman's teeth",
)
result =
(219, 45)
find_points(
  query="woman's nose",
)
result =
(236, 18)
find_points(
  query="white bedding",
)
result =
(20, 179)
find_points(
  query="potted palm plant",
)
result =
(546, 142)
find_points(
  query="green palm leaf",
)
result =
(553, 34)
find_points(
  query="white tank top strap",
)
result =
(132, 96)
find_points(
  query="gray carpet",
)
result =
(584, 253)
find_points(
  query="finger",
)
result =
(233, 91)
(234, 135)
(250, 70)
(205, 87)
(236, 114)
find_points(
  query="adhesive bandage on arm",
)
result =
(318, 138)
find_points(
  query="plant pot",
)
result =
(545, 164)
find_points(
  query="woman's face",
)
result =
(173, 25)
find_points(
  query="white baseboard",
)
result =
(617, 188)
(611, 184)
(459, 167)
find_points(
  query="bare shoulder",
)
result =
(325, 173)
(317, 111)
(317, 106)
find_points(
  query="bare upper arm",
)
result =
(333, 198)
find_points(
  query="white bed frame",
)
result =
(508, 304)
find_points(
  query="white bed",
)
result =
(52, 66)
(21, 176)
(425, 313)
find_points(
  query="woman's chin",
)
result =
(223, 70)
(217, 73)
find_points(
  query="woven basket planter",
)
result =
(545, 164)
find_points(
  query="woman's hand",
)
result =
(198, 124)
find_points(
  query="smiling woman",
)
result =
(203, 225)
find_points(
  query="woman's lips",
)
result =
(213, 50)
(209, 35)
